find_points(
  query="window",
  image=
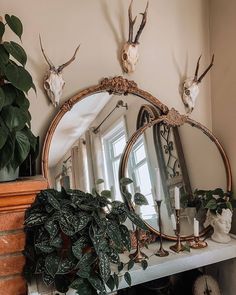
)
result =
(141, 176)
(114, 142)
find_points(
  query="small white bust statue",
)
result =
(221, 224)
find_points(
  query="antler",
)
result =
(51, 65)
(60, 68)
(143, 23)
(208, 68)
(197, 68)
(132, 22)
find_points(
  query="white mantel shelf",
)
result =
(159, 267)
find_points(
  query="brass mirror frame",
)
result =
(174, 119)
(117, 85)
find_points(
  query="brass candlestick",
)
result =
(197, 243)
(178, 246)
(138, 255)
(161, 252)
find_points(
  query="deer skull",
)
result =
(191, 87)
(129, 54)
(53, 81)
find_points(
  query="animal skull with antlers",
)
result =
(53, 81)
(191, 88)
(129, 54)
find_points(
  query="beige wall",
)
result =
(223, 44)
(176, 33)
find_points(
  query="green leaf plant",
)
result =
(16, 138)
(73, 238)
(214, 200)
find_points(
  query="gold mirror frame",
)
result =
(116, 85)
(174, 119)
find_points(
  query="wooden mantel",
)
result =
(15, 198)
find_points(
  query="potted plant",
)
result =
(16, 138)
(218, 212)
(73, 237)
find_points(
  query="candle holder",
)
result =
(178, 246)
(138, 255)
(197, 243)
(161, 252)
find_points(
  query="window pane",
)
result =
(139, 154)
(118, 146)
(115, 173)
(142, 175)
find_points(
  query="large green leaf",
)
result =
(10, 94)
(113, 232)
(87, 259)
(97, 283)
(104, 266)
(83, 287)
(52, 227)
(78, 247)
(125, 235)
(81, 221)
(16, 51)
(116, 280)
(19, 77)
(65, 266)
(7, 152)
(35, 219)
(4, 58)
(22, 149)
(14, 118)
(3, 136)
(2, 98)
(56, 242)
(111, 283)
(15, 24)
(128, 278)
(2, 30)
(136, 220)
(140, 199)
(47, 279)
(53, 201)
(51, 263)
(125, 181)
(21, 100)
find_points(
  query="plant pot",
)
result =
(8, 174)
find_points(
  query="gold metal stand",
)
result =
(138, 255)
(197, 243)
(161, 252)
(178, 246)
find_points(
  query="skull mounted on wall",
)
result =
(191, 87)
(53, 81)
(129, 54)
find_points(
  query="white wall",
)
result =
(175, 35)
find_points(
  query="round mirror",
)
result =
(172, 151)
(87, 137)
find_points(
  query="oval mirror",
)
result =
(86, 139)
(171, 151)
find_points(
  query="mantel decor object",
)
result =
(178, 247)
(161, 252)
(197, 243)
(138, 255)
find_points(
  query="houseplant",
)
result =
(218, 212)
(72, 238)
(16, 138)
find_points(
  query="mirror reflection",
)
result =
(170, 157)
(89, 140)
